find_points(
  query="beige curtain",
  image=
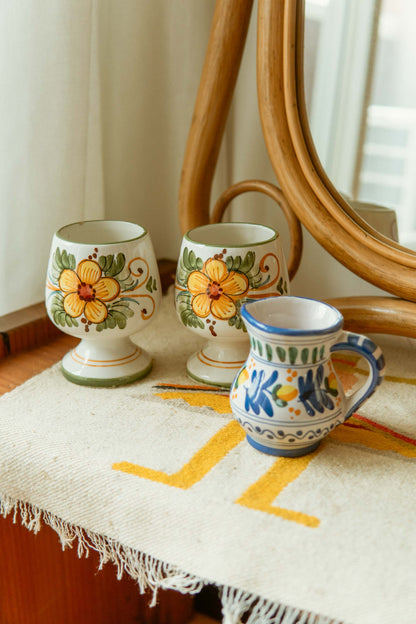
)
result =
(96, 100)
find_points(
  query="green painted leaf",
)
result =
(280, 403)
(304, 355)
(190, 261)
(293, 354)
(112, 264)
(185, 259)
(188, 316)
(119, 263)
(111, 322)
(229, 261)
(58, 313)
(281, 353)
(60, 261)
(123, 307)
(248, 262)
(237, 322)
(103, 261)
(64, 259)
(119, 318)
(57, 259)
(57, 302)
(187, 263)
(269, 352)
(151, 284)
(233, 263)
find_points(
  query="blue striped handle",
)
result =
(375, 358)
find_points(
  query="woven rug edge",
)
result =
(151, 573)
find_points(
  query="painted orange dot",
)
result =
(288, 378)
(292, 417)
(294, 374)
(297, 412)
(291, 409)
(289, 370)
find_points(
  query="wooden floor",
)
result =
(19, 367)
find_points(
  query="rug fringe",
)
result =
(153, 574)
(236, 604)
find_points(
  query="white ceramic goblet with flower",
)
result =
(220, 267)
(103, 286)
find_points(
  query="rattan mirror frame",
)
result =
(319, 206)
(305, 185)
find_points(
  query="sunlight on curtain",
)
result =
(96, 100)
(45, 97)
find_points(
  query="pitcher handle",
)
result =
(374, 356)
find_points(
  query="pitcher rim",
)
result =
(286, 331)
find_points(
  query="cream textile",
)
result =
(336, 541)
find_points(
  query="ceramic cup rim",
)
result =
(329, 328)
(62, 233)
(189, 236)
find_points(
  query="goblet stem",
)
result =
(218, 361)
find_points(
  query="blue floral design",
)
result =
(257, 394)
(312, 394)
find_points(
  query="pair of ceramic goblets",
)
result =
(103, 286)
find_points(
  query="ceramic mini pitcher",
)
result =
(287, 395)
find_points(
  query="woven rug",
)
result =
(158, 478)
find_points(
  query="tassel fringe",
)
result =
(153, 574)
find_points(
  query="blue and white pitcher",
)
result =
(287, 396)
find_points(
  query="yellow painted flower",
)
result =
(332, 382)
(287, 393)
(214, 289)
(86, 291)
(242, 377)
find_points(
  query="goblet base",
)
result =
(217, 364)
(114, 364)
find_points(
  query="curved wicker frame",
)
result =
(304, 183)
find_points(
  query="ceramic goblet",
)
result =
(103, 286)
(221, 266)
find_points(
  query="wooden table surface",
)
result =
(40, 583)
